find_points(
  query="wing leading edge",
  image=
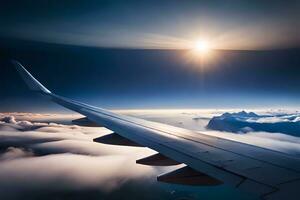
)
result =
(269, 174)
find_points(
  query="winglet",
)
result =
(31, 82)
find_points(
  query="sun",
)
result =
(201, 46)
(201, 53)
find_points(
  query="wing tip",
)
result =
(31, 82)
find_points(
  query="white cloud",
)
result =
(70, 171)
(50, 156)
(13, 153)
(45, 153)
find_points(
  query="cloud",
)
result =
(273, 130)
(14, 153)
(44, 156)
(68, 171)
(243, 122)
(47, 157)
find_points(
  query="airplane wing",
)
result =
(209, 160)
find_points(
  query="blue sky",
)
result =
(113, 78)
(98, 52)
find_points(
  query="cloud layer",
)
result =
(45, 156)
(38, 157)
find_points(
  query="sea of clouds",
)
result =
(38, 156)
(46, 156)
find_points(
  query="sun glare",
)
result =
(201, 46)
(201, 53)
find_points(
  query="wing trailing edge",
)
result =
(85, 122)
(188, 176)
(157, 160)
(115, 139)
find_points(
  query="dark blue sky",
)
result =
(116, 54)
(121, 78)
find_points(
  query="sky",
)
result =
(231, 24)
(133, 79)
(121, 55)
